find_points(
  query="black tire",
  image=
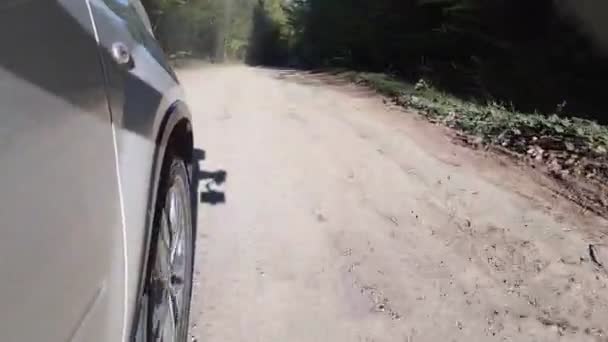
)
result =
(174, 191)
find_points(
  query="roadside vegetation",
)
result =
(571, 150)
(221, 30)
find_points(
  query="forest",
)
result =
(533, 56)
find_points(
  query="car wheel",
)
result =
(171, 263)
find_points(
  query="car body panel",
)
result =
(82, 141)
(61, 250)
(146, 101)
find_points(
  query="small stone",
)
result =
(554, 166)
(570, 260)
(569, 146)
(394, 220)
(599, 254)
(476, 140)
(601, 149)
(321, 218)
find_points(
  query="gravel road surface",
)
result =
(349, 220)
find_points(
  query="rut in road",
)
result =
(347, 220)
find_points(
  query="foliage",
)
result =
(220, 29)
(567, 145)
(267, 43)
(522, 52)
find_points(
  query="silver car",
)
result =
(96, 172)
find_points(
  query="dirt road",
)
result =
(347, 220)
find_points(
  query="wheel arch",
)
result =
(174, 136)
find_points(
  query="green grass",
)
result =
(382, 83)
(491, 123)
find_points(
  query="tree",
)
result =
(522, 52)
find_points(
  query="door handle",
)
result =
(121, 54)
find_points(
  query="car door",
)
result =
(141, 89)
(62, 241)
(137, 86)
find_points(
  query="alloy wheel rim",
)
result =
(170, 267)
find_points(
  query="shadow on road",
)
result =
(324, 78)
(210, 179)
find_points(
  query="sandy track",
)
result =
(346, 220)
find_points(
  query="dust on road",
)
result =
(346, 220)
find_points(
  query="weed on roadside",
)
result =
(569, 147)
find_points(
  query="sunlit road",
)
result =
(346, 220)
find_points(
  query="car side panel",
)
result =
(61, 243)
(141, 99)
